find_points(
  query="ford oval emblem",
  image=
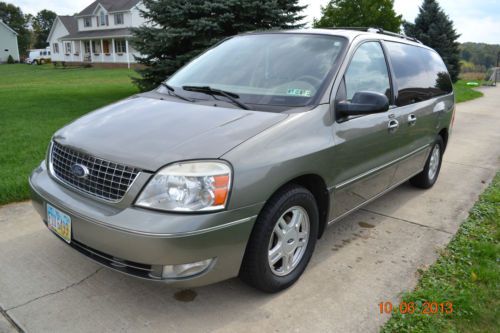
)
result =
(80, 171)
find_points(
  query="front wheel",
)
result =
(282, 241)
(429, 175)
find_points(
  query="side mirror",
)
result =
(362, 103)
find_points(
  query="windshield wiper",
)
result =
(211, 91)
(173, 93)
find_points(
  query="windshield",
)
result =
(273, 69)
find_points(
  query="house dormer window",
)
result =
(87, 22)
(103, 18)
(118, 18)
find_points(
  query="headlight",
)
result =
(188, 187)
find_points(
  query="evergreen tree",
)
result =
(179, 30)
(435, 29)
(360, 13)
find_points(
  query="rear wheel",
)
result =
(429, 175)
(282, 240)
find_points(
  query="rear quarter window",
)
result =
(420, 74)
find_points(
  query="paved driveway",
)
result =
(368, 257)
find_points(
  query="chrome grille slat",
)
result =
(106, 180)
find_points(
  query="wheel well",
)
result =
(317, 186)
(444, 135)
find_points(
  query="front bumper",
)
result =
(140, 242)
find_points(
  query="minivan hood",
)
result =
(149, 133)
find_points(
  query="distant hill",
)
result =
(478, 57)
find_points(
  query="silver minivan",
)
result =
(237, 163)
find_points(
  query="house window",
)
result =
(87, 22)
(86, 46)
(55, 48)
(67, 47)
(102, 18)
(96, 46)
(120, 46)
(118, 18)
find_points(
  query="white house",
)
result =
(8, 43)
(99, 34)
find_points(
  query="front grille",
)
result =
(105, 180)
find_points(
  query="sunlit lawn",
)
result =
(37, 100)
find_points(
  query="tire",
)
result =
(273, 231)
(429, 175)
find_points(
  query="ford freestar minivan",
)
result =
(237, 163)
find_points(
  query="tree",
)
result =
(180, 30)
(14, 18)
(435, 29)
(360, 13)
(480, 54)
(42, 23)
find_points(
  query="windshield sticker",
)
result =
(299, 92)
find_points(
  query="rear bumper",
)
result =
(140, 242)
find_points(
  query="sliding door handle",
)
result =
(412, 119)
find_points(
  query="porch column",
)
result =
(102, 51)
(81, 51)
(113, 48)
(128, 58)
(91, 51)
(73, 49)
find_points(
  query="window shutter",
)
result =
(107, 20)
(97, 19)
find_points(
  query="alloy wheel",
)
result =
(288, 241)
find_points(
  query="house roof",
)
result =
(109, 5)
(70, 23)
(2, 23)
(90, 34)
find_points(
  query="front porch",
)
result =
(96, 51)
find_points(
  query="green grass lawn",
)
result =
(467, 274)
(35, 101)
(464, 93)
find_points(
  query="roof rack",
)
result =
(378, 31)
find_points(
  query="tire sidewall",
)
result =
(305, 200)
(440, 143)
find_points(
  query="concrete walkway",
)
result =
(368, 257)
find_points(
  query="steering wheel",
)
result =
(309, 79)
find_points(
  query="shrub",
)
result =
(10, 60)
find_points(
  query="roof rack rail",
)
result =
(378, 31)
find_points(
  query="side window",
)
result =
(367, 71)
(420, 73)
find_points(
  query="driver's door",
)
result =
(365, 146)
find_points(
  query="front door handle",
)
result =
(412, 119)
(393, 125)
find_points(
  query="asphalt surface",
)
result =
(366, 258)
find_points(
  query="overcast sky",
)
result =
(476, 21)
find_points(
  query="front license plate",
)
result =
(59, 223)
